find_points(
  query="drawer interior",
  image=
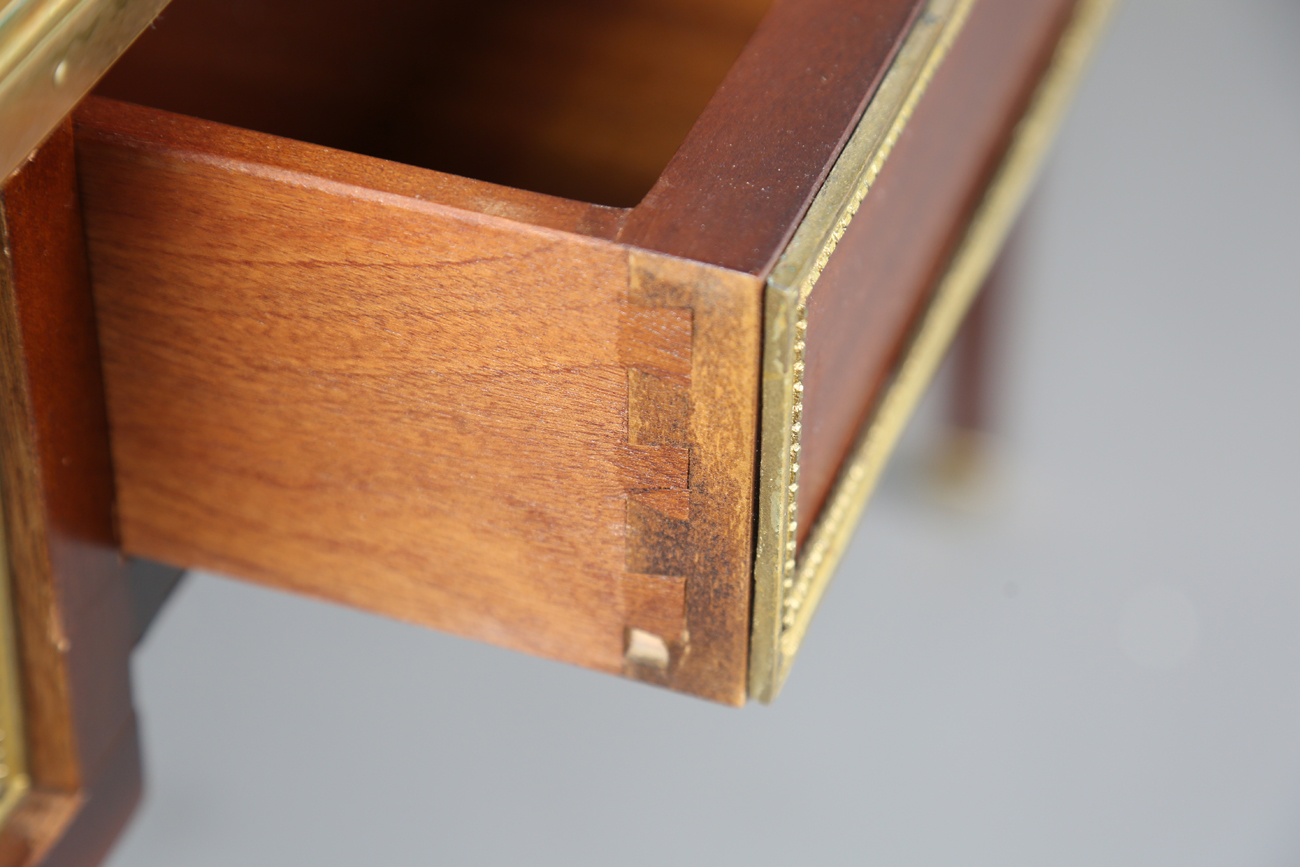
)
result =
(584, 99)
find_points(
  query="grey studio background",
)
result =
(1099, 665)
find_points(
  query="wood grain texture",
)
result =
(73, 617)
(416, 409)
(863, 307)
(711, 547)
(273, 154)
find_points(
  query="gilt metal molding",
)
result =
(790, 581)
(14, 780)
(51, 54)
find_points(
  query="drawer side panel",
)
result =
(422, 411)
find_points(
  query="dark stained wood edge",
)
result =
(149, 128)
(735, 191)
(72, 612)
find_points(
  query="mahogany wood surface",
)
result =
(587, 99)
(274, 155)
(528, 436)
(862, 309)
(730, 125)
(736, 189)
(72, 613)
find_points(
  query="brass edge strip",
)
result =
(785, 318)
(873, 139)
(969, 266)
(778, 449)
(14, 779)
(51, 54)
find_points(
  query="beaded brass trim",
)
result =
(789, 583)
(776, 607)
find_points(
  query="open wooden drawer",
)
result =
(562, 425)
(579, 327)
(582, 328)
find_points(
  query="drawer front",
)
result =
(871, 290)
